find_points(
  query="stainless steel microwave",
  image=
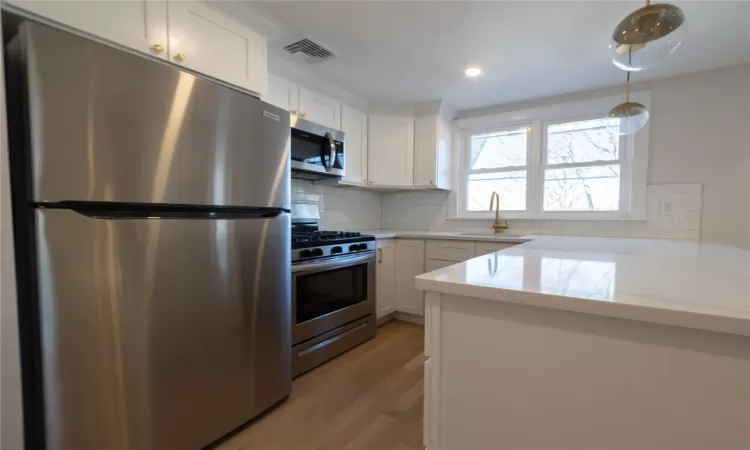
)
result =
(317, 149)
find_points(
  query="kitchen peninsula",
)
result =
(601, 343)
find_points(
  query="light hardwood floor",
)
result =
(369, 398)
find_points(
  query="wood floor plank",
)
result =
(370, 398)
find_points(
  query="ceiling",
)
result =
(417, 51)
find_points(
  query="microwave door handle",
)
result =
(329, 147)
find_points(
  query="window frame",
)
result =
(633, 159)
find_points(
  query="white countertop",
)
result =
(449, 235)
(684, 283)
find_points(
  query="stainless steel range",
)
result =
(333, 291)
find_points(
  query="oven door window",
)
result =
(322, 293)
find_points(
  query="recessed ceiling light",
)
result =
(473, 71)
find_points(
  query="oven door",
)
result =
(316, 148)
(331, 293)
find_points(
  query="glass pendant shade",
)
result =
(628, 117)
(648, 36)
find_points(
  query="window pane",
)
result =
(576, 142)
(499, 149)
(582, 189)
(511, 186)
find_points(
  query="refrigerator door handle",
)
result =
(117, 210)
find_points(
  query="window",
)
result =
(498, 163)
(563, 161)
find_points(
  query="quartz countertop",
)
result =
(684, 283)
(448, 235)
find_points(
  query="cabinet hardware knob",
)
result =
(432, 182)
(180, 57)
(304, 115)
(157, 48)
(294, 112)
(380, 255)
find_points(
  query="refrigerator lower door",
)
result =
(160, 334)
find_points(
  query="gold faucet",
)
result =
(497, 226)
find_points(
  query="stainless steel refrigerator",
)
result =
(157, 204)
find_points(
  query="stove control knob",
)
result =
(305, 253)
(336, 250)
(317, 252)
(353, 248)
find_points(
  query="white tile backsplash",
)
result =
(340, 208)
(673, 212)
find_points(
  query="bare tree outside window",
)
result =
(582, 167)
(497, 163)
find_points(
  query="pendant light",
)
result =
(647, 36)
(628, 117)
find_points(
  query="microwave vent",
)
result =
(311, 51)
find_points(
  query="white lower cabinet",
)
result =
(435, 264)
(138, 24)
(385, 283)
(409, 264)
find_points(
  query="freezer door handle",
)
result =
(119, 210)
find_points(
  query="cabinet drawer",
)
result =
(450, 250)
(384, 243)
(484, 248)
(435, 264)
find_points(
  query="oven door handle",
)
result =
(334, 264)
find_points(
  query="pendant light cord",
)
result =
(627, 78)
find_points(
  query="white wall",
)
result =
(341, 209)
(699, 134)
(11, 427)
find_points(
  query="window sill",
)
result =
(576, 217)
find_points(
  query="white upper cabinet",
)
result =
(319, 109)
(432, 156)
(390, 152)
(209, 42)
(354, 125)
(138, 24)
(283, 94)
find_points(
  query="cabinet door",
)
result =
(425, 151)
(207, 41)
(409, 264)
(283, 94)
(138, 24)
(319, 109)
(354, 125)
(390, 152)
(443, 158)
(386, 280)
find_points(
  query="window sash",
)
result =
(464, 200)
(536, 158)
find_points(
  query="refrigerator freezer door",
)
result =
(106, 125)
(160, 334)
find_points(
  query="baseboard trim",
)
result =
(406, 317)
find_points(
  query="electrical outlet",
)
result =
(666, 208)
